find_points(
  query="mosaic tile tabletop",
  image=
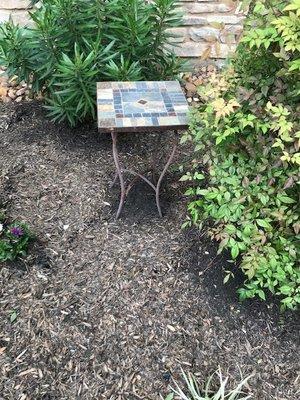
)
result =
(126, 106)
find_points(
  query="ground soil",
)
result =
(112, 309)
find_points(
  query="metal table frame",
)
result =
(166, 112)
(120, 171)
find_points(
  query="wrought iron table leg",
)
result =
(114, 136)
(157, 189)
(120, 172)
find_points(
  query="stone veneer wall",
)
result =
(17, 9)
(210, 29)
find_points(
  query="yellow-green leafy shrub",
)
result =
(247, 136)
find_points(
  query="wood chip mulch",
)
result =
(111, 310)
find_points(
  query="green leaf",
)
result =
(199, 176)
(247, 230)
(235, 251)
(287, 290)
(185, 178)
(286, 199)
(13, 316)
(227, 196)
(231, 229)
(261, 294)
(186, 224)
(211, 195)
(263, 223)
(202, 192)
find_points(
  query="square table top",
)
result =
(133, 106)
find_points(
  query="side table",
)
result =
(126, 107)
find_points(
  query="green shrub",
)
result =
(75, 43)
(222, 392)
(246, 133)
(14, 240)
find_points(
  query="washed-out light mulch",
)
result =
(111, 310)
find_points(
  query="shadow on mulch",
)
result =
(82, 138)
(37, 257)
(140, 205)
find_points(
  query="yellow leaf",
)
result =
(206, 54)
(234, 103)
(217, 48)
(217, 25)
(218, 104)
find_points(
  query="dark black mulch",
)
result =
(111, 310)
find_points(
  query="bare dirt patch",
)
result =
(110, 310)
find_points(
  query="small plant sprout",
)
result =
(222, 392)
(14, 241)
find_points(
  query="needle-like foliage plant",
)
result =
(72, 44)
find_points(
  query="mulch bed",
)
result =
(112, 310)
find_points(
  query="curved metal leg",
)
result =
(140, 176)
(157, 189)
(137, 177)
(119, 173)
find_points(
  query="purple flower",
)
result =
(17, 231)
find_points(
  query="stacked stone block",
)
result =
(210, 30)
(16, 9)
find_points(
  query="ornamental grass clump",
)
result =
(210, 391)
(75, 43)
(246, 136)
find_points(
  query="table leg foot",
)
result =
(120, 208)
(157, 194)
